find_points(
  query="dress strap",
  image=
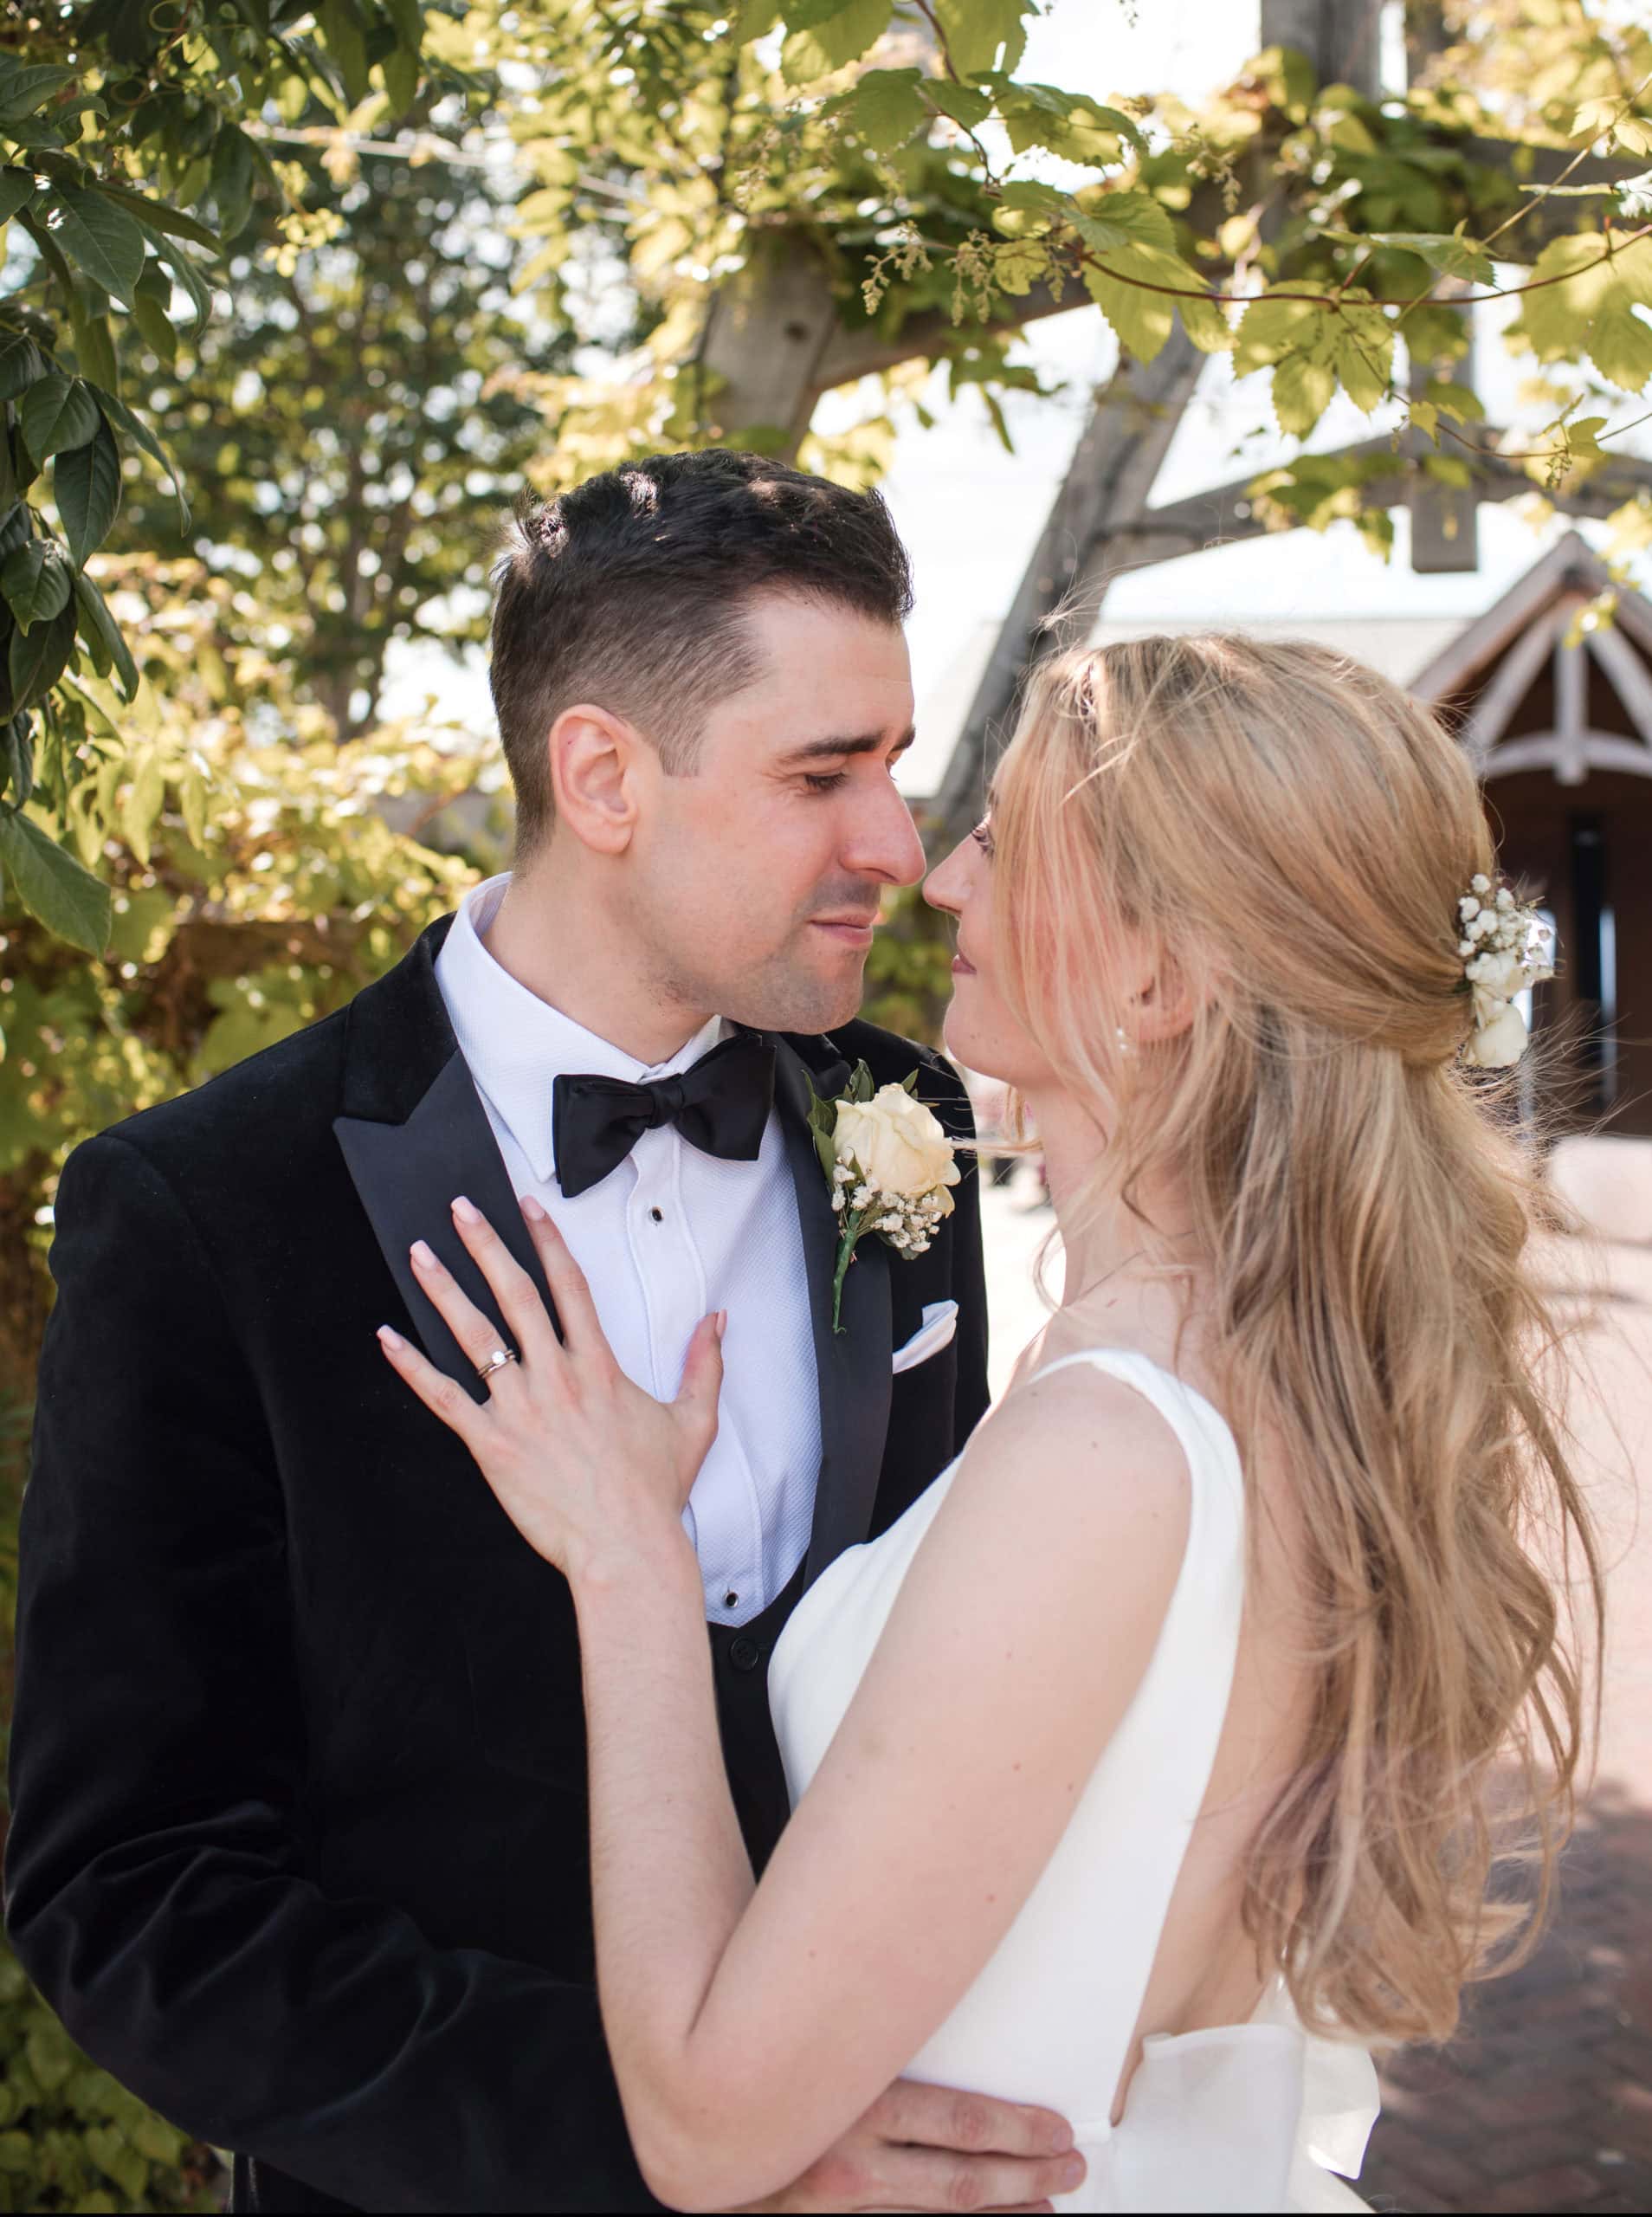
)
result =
(1205, 1433)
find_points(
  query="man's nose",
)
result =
(884, 842)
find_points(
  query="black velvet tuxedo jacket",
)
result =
(298, 1767)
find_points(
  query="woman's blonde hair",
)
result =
(1292, 834)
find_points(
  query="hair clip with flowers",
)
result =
(1508, 947)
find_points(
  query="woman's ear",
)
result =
(594, 756)
(1165, 1001)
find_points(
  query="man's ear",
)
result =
(593, 758)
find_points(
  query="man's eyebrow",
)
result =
(867, 742)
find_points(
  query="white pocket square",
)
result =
(939, 1324)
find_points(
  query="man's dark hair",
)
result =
(632, 593)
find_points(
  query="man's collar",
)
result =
(516, 1045)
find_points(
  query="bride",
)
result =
(1145, 1769)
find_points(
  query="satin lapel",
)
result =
(425, 1137)
(853, 1368)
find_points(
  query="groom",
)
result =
(298, 1769)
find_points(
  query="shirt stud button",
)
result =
(658, 1215)
(730, 1600)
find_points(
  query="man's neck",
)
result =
(567, 955)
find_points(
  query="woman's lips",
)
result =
(961, 967)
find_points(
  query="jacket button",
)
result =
(745, 1653)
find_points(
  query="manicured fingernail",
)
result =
(423, 1257)
(531, 1207)
(389, 1338)
(1073, 2170)
(467, 1211)
(722, 1322)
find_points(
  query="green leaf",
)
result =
(145, 798)
(401, 74)
(20, 760)
(1620, 343)
(25, 90)
(94, 351)
(87, 484)
(966, 104)
(135, 428)
(16, 191)
(99, 625)
(21, 363)
(101, 238)
(887, 107)
(1460, 402)
(1581, 299)
(1452, 256)
(1027, 197)
(36, 658)
(825, 35)
(977, 29)
(150, 303)
(341, 27)
(1124, 219)
(161, 216)
(57, 413)
(1364, 341)
(1017, 265)
(36, 582)
(1271, 327)
(232, 178)
(408, 18)
(1303, 389)
(1141, 321)
(114, 2155)
(1078, 129)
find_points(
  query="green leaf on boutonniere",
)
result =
(861, 1086)
(823, 1122)
(909, 1083)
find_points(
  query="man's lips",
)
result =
(854, 931)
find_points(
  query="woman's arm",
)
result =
(749, 2028)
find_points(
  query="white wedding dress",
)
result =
(1249, 2116)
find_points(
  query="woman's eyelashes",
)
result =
(982, 836)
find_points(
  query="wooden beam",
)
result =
(1111, 472)
(1572, 756)
(1341, 38)
(1226, 512)
(1625, 672)
(1571, 704)
(1512, 679)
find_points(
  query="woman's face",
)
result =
(980, 1030)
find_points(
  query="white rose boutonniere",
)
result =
(889, 1164)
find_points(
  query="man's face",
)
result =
(756, 878)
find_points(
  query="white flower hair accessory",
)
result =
(889, 1163)
(1507, 947)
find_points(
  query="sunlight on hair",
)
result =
(1292, 835)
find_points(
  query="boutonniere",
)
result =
(889, 1163)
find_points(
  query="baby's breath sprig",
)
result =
(1507, 947)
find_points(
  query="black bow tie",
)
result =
(720, 1103)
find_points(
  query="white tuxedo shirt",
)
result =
(667, 1237)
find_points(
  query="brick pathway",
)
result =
(1543, 2100)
